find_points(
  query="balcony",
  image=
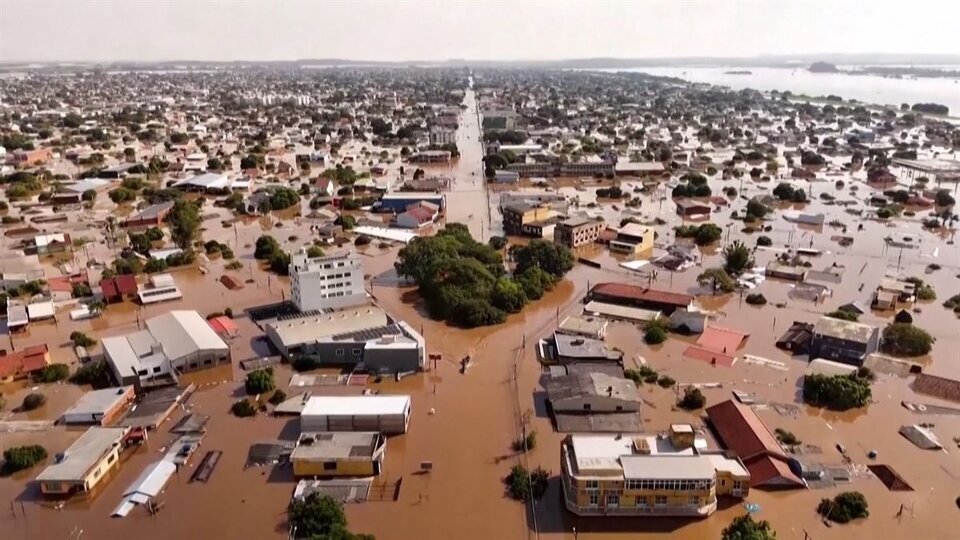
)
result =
(569, 496)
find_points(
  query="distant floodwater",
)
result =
(866, 88)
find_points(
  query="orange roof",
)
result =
(28, 360)
(713, 357)
(720, 339)
(223, 325)
(742, 430)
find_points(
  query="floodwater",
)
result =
(865, 88)
(464, 424)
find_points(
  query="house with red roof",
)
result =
(740, 430)
(119, 288)
(415, 217)
(21, 364)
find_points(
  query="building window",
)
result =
(642, 501)
(111, 459)
(339, 352)
(586, 406)
(613, 500)
(694, 501)
(660, 500)
(594, 499)
(156, 369)
(329, 465)
(591, 484)
(357, 352)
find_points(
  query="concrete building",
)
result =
(430, 156)
(499, 119)
(151, 216)
(517, 215)
(576, 232)
(632, 238)
(692, 208)
(558, 168)
(669, 475)
(339, 454)
(506, 177)
(389, 415)
(415, 217)
(349, 337)
(99, 407)
(330, 282)
(172, 343)
(644, 168)
(441, 136)
(594, 402)
(844, 341)
(85, 463)
(566, 349)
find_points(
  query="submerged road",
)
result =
(468, 200)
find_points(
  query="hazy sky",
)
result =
(105, 30)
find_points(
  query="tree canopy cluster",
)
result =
(704, 234)
(745, 528)
(837, 392)
(268, 249)
(786, 192)
(695, 186)
(845, 507)
(905, 339)
(464, 281)
(318, 516)
(19, 458)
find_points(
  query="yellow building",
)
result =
(339, 454)
(519, 214)
(670, 475)
(85, 464)
(633, 238)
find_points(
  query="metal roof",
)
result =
(356, 405)
(83, 454)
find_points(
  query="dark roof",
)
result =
(152, 212)
(125, 284)
(633, 292)
(799, 333)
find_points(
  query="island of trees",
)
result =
(464, 281)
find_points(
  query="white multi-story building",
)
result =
(443, 136)
(335, 281)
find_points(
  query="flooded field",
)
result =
(464, 423)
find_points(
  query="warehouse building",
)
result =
(389, 415)
(172, 343)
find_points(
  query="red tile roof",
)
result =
(720, 339)
(125, 284)
(741, 430)
(706, 355)
(27, 360)
(421, 214)
(634, 292)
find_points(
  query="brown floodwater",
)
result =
(464, 423)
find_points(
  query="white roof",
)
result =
(600, 451)
(40, 310)
(83, 454)
(97, 401)
(43, 240)
(634, 229)
(395, 235)
(88, 183)
(667, 467)
(604, 309)
(152, 479)
(356, 405)
(301, 330)
(829, 367)
(183, 333)
(132, 352)
(206, 181)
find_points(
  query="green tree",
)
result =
(845, 507)
(283, 198)
(317, 516)
(717, 279)
(243, 408)
(52, 373)
(259, 381)
(837, 392)
(89, 195)
(80, 339)
(737, 258)
(554, 258)
(745, 528)
(707, 234)
(905, 339)
(692, 399)
(19, 458)
(184, 222)
(33, 401)
(508, 295)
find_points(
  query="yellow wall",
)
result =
(96, 475)
(351, 467)
(725, 481)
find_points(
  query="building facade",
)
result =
(340, 454)
(578, 232)
(334, 281)
(517, 215)
(613, 475)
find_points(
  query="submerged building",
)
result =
(624, 475)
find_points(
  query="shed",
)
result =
(386, 414)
